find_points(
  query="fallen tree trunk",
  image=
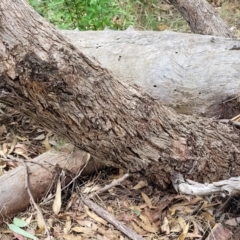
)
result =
(193, 74)
(202, 17)
(47, 78)
(42, 173)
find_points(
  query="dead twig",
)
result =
(72, 181)
(229, 121)
(27, 187)
(110, 218)
(114, 183)
(106, 215)
(229, 100)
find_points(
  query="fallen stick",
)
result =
(13, 192)
(110, 218)
(230, 186)
(114, 183)
(106, 215)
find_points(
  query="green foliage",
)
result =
(17, 226)
(120, 14)
(82, 14)
(146, 13)
(114, 14)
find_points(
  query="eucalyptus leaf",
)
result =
(22, 232)
(19, 222)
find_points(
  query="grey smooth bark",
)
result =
(194, 74)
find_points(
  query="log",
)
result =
(49, 79)
(194, 74)
(202, 17)
(42, 169)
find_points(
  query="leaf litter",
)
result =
(141, 206)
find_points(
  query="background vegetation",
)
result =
(120, 14)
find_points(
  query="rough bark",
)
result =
(53, 82)
(202, 18)
(42, 174)
(194, 74)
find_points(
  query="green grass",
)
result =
(120, 14)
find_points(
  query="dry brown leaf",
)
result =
(147, 227)
(209, 206)
(110, 210)
(21, 150)
(110, 234)
(71, 201)
(137, 229)
(21, 138)
(136, 207)
(165, 226)
(13, 145)
(3, 129)
(22, 146)
(140, 185)
(95, 216)
(175, 228)
(125, 217)
(145, 219)
(182, 222)
(193, 201)
(152, 215)
(219, 232)
(85, 223)
(58, 198)
(100, 237)
(71, 237)
(11, 164)
(39, 137)
(2, 166)
(233, 222)
(85, 230)
(5, 148)
(147, 200)
(2, 153)
(29, 219)
(209, 218)
(46, 142)
(68, 225)
(40, 220)
(81, 217)
(195, 233)
(184, 209)
(184, 232)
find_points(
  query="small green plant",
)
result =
(82, 14)
(60, 143)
